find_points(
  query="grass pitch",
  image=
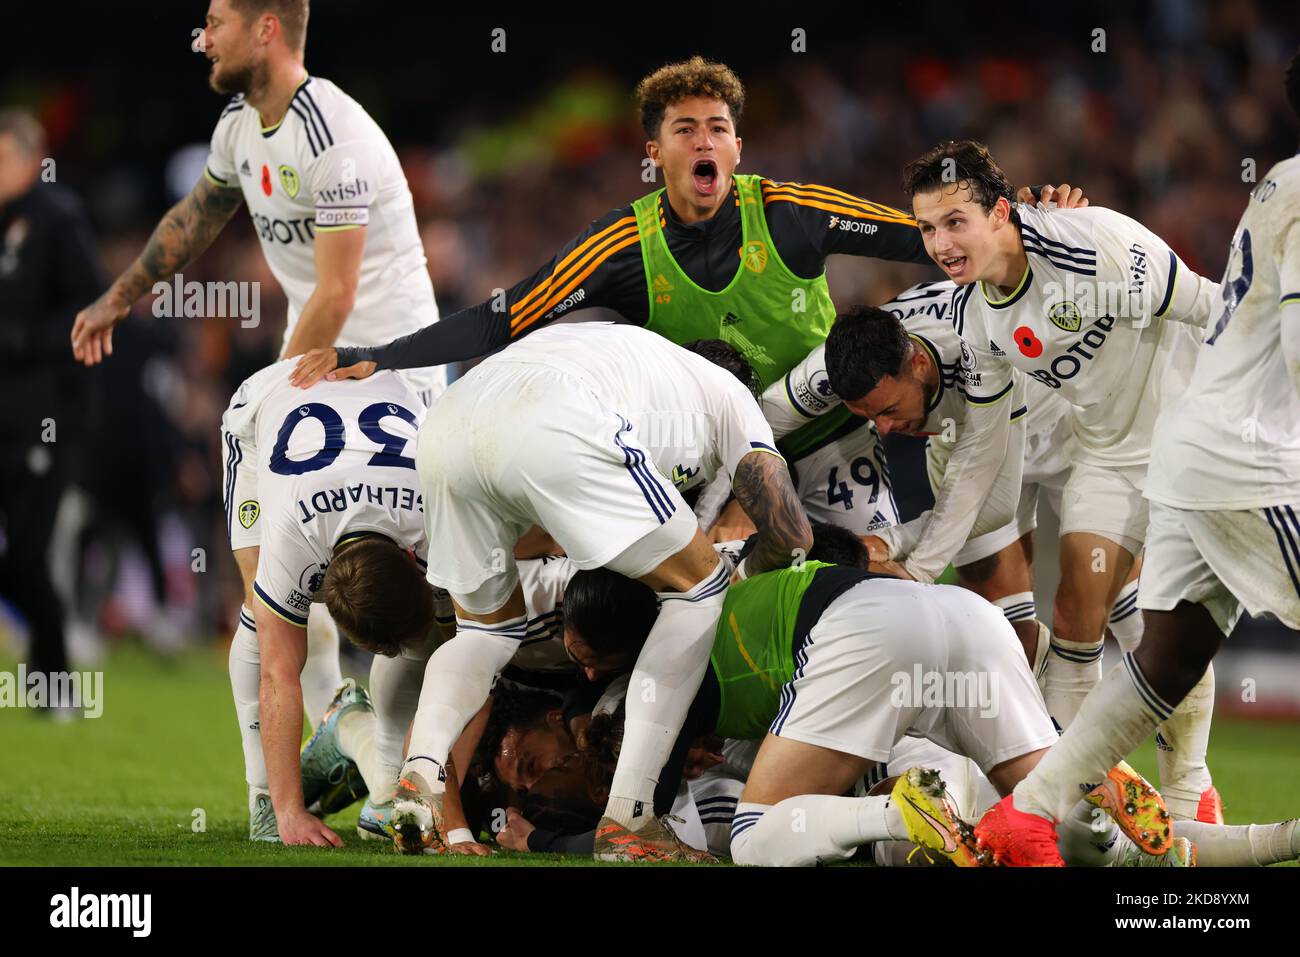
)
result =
(132, 787)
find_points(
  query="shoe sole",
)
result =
(411, 836)
(1135, 806)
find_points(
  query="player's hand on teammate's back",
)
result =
(733, 525)
(303, 828)
(92, 331)
(514, 836)
(1064, 196)
(317, 364)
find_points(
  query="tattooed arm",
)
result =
(181, 236)
(763, 488)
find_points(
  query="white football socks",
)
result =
(1126, 618)
(1113, 721)
(1018, 607)
(1181, 744)
(358, 740)
(1087, 837)
(667, 675)
(1182, 741)
(1244, 845)
(245, 665)
(803, 830)
(321, 675)
(456, 683)
(1073, 670)
(395, 693)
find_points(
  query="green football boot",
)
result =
(330, 779)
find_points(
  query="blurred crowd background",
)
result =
(510, 154)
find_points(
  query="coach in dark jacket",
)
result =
(48, 267)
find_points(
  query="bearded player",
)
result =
(336, 223)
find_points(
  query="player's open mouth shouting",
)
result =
(705, 172)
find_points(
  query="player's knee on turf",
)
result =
(745, 850)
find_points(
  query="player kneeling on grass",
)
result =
(830, 666)
(736, 700)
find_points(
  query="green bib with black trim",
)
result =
(767, 312)
(753, 654)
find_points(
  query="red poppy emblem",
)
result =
(1030, 345)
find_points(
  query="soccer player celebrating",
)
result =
(714, 254)
(900, 365)
(1096, 307)
(322, 184)
(586, 430)
(1224, 486)
(337, 226)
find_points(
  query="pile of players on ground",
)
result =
(642, 591)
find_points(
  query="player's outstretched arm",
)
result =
(980, 456)
(180, 237)
(763, 488)
(601, 266)
(283, 650)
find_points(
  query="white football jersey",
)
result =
(926, 311)
(1090, 319)
(1233, 440)
(694, 418)
(328, 166)
(333, 461)
(543, 581)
